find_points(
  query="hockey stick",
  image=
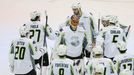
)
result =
(45, 42)
(128, 30)
(99, 21)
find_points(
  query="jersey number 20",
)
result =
(19, 54)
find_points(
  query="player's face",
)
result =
(74, 20)
(76, 11)
(105, 23)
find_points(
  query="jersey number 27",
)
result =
(33, 34)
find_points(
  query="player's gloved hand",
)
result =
(11, 68)
(43, 50)
(89, 47)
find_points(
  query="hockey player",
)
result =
(109, 36)
(124, 60)
(38, 33)
(125, 28)
(99, 60)
(74, 36)
(62, 65)
(86, 21)
(22, 55)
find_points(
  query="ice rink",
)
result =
(14, 13)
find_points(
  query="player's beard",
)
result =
(76, 11)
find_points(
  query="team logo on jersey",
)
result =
(75, 41)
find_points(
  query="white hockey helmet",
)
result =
(99, 69)
(126, 72)
(111, 18)
(104, 18)
(34, 14)
(97, 51)
(104, 21)
(76, 5)
(61, 50)
(121, 45)
(23, 31)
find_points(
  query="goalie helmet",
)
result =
(97, 51)
(121, 45)
(126, 72)
(99, 69)
(34, 14)
(23, 31)
(61, 50)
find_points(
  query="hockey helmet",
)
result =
(23, 31)
(76, 5)
(61, 50)
(111, 18)
(97, 51)
(34, 14)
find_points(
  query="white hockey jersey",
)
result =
(124, 61)
(87, 22)
(38, 32)
(62, 67)
(108, 37)
(74, 40)
(22, 55)
(108, 66)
